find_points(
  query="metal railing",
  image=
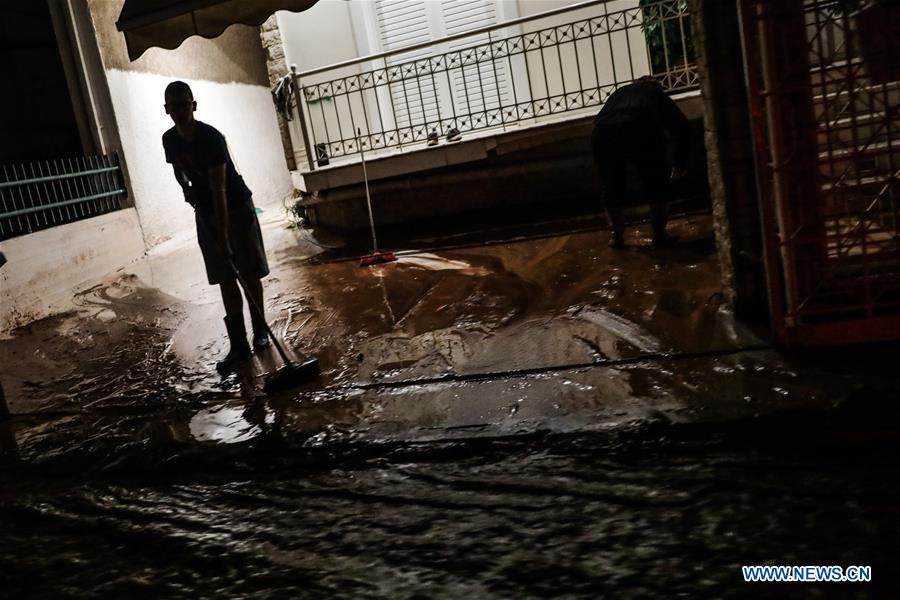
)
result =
(824, 90)
(44, 194)
(506, 76)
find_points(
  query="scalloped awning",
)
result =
(167, 23)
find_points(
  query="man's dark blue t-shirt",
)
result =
(195, 157)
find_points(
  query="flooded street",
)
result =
(533, 418)
(631, 515)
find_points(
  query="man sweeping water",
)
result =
(227, 228)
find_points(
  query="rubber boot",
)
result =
(260, 335)
(237, 337)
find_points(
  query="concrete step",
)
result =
(864, 126)
(835, 70)
(859, 183)
(853, 112)
(866, 149)
(875, 96)
(848, 120)
(864, 181)
(849, 137)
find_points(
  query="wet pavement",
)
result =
(536, 417)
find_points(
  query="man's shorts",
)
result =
(247, 248)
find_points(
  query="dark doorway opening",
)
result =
(36, 113)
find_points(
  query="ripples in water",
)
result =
(574, 515)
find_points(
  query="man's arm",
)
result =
(184, 181)
(181, 175)
(220, 205)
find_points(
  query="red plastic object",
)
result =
(377, 258)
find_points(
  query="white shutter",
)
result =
(485, 87)
(403, 23)
(419, 104)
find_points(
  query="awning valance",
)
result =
(167, 23)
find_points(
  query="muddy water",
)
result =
(540, 418)
(645, 513)
(564, 300)
(556, 301)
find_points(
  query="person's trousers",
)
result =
(617, 145)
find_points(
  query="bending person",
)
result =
(630, 129)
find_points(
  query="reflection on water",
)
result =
(578, 516)
(224, 425)
(434, 262)
(563, 300)
(145, 475)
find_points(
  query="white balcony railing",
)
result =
(517, 73)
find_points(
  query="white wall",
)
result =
(46, 268)
(322, 35)
(242, 112)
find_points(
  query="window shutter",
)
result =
(485, 87)
(476, 90)
(403, 23)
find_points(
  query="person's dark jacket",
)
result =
(646, 102)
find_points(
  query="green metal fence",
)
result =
(43, 194)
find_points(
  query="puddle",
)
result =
(223, 425)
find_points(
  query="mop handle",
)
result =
(256, 310)
(362, 156)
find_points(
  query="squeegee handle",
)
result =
(258, 312)
(254, 308)
(362, 156)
